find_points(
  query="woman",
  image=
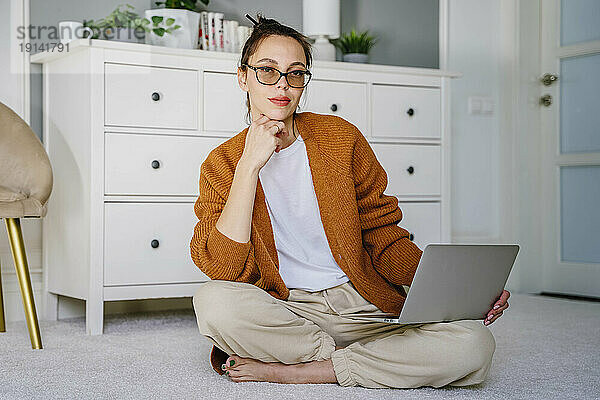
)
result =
(315, 238)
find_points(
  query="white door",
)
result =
(570, 122)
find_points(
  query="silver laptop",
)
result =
(453, 282)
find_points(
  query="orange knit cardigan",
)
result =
(359, 220)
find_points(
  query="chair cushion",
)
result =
(24, 208)
(25, 170)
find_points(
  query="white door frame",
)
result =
(19, 59)
(577, 278)
(531, 268)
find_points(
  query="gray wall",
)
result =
(407, 29)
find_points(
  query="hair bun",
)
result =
(267, 21)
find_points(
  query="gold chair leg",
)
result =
(2, 325)
(15, 236)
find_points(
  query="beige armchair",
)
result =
(25, 186)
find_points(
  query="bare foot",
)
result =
(248, 369)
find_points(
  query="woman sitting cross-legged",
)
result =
(295, 232)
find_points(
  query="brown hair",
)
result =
(262, 29)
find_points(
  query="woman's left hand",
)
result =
(498, 308)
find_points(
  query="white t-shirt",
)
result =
(305, 259)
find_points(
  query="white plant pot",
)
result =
(185, 37)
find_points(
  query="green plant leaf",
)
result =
(120, 17)
(157, 19)
(180, 4)
(355, 42)
(189, 4)
(169, 21)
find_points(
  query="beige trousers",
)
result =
(242, 319)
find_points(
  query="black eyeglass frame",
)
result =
(285, 74)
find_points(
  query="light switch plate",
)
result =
(480, 105)
(487, 105)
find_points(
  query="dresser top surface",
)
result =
(85, 44)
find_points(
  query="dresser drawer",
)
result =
(152, 97)
(403, 111)
(344, 99)
(412, 170)
(137, 164)
(149, 243)
(423, 220)
(224, 103)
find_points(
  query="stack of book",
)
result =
(218, 34)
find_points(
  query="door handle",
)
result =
(548, 79)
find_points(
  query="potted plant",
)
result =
(120, 25)
(183, 13)
(355, 47)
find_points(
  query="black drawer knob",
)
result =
(411, 237)
(154, 243)
(410, 112)
(155, 164)
(155, 96)
(333, 107)
(410, 170)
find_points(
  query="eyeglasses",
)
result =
(269, 76)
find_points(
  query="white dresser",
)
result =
(126, 127)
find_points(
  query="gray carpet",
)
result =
(546, 348)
